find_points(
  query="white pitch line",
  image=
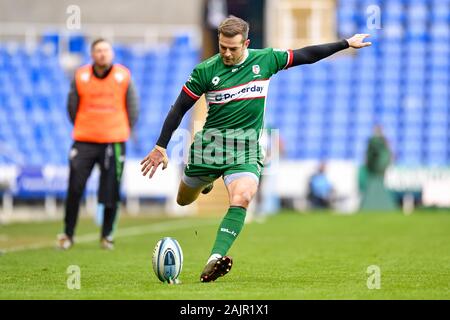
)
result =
(121, 233)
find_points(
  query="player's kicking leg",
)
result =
(241, 189)
(191, 187)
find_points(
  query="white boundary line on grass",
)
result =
(121, 233)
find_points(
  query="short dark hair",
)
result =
(97, 41)
(232, 26)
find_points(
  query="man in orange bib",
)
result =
(103, 107)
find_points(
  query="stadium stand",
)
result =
(327, 110)
(33, 91)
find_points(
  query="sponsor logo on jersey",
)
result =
(251, 90)
(215, 81)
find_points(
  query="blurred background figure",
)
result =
(379, 154)
(378, 159)
(103, 107)
(320, 189)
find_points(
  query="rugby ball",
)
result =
(167, 260)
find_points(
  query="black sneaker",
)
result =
(216, 268)
(208, 188)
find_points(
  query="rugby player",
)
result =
(235, 82)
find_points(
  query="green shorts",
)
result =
(196, 175)
(209, 161)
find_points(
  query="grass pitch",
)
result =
(290, 256)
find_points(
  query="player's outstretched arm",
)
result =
(312, 54)
(158, 154)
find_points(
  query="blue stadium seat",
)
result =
(290, 119)
(50, 41)
(335, 150)
(440, 31)
(77, 43)
(312, 130)
(312, 148)
(440, 13)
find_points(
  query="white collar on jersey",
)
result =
(243, 60)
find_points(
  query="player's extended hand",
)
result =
(152, 161)
(357, 41)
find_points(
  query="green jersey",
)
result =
(236, 98)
